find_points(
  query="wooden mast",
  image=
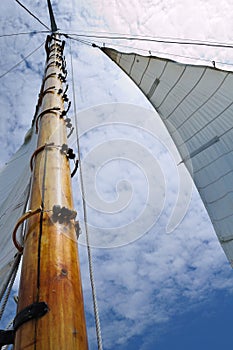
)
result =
(50, 268)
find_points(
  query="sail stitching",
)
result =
(219, 198)
(205, 102)
(132, 64)
(213, 161)
(144, 72)
(177, 81)
(210, 122)
(215, 180)
(188, 94)
(222, 218)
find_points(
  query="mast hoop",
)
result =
(63, 149)
(50, 90)
(24, 217)
(49, 110)
(52, 75)
(38, 150)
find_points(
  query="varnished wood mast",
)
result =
(50, 269)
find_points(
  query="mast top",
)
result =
(52, 18)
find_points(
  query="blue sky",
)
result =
(155, 290)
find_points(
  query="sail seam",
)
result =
(144, 72)
(215, 180)
(173, 86)
(207, 124)
(132, 64)
(188, 94)
(213, 161)
(205, 102)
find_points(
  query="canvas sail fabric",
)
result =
(196, 105)
(14, 189)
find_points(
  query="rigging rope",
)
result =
(23, 60)
(9, 284)
(25, 8)
(25, 33)
(101, 44)
(86, 42)
(91, 272)
(157, 40)
(130, 36)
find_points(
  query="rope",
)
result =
(86, 42)
(100, 44)
(25, 8)
(11, 280)
(94, 297)
(3, 290)
(26, 33)
(24, 59)
(156, 40)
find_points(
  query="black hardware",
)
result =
(64, 148)
(35, 310)
(68, 122)
(6, 337)
(71, 132)
(63, 113)
(70, 154)
(67, 151)
(75, 168)
(58, 64)
(63, 214)
(65, 98)
(77, 229)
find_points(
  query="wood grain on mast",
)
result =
(50, 269)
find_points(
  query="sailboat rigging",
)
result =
(194, 103)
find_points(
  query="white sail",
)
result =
(14, 189)
(196, 105)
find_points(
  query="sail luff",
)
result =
(50, 269)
